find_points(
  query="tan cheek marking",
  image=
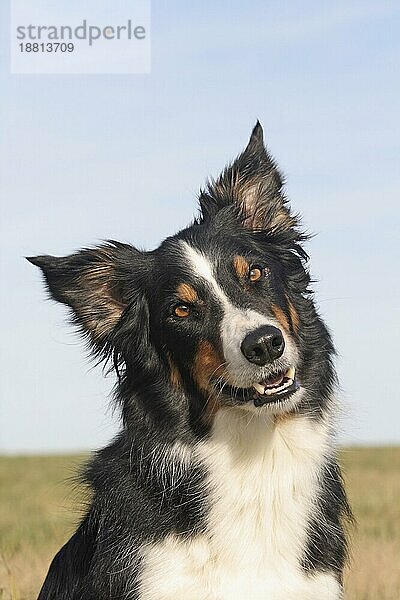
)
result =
(186, 293)
(241, 266)
(294, 316)
(281, 317)
(174, 375)
(208, 363)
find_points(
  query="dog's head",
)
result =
(219, 314)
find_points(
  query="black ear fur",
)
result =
(97, 284)
(253, 186)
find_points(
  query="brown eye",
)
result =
(182, 311)
(255, 273)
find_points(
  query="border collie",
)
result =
(223, 483)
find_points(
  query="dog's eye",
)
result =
(182, 311)
(255, 273)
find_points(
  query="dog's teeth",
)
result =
(259, 388)
(290, 373)
(287, 382)
(272, 391)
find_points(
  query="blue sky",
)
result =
(88, 157)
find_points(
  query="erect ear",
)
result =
(95, 283)
(253, 185)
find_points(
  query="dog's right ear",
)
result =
(97, 284)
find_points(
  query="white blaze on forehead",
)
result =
(202, 268)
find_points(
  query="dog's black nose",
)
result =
(263, 345)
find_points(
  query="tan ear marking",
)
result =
(106, 309)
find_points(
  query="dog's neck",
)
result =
(248, 435)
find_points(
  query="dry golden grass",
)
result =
(38, 512)
(373, 477)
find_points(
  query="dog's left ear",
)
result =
(253, 185)
(96, 283)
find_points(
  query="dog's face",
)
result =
(219, 314)
(221, 310)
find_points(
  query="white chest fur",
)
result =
(263, 480)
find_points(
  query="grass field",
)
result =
(38, 511)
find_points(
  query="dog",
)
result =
(223, 483)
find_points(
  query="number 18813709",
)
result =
(46, 47)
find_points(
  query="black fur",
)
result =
(123, 300)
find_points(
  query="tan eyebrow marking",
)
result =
(294, 316)
(186, 293)
(281, 317)
(240, 265)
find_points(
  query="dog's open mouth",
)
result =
(276, 388)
